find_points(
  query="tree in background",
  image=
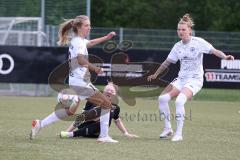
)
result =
(20, 8)
(217, 15)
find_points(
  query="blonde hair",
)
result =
(70, 24)
(186, 19)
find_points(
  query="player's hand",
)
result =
(229, 57)
(99, 70)
(110, 35)
(128, 135)
(151, 77)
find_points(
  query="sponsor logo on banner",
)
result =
(222, 77)
(230, 64)
(5, 68)
(229, 72)
(122, 70)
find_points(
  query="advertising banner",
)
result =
(121, 64)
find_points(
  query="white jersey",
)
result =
(190, 56)
(77, 72)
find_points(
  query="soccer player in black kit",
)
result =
(91, 128)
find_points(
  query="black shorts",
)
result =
(89, 129)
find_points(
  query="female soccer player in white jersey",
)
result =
(79, 76)
(189, 51)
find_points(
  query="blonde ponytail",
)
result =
(64, 31)
(71, 24)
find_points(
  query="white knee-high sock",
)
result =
(104, 122)
(180, 112)
(54, 117)
(164, 109)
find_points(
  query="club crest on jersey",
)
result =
(192, 49)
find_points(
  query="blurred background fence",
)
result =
(27, 33)
(43, 29)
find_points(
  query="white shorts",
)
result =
(195, 85)
(83, 89)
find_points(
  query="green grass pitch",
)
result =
(211, 131)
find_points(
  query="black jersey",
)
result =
(92, 128)
(114, 113)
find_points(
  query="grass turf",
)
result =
(211, 131)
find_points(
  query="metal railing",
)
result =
(158, 38)
(142, 38)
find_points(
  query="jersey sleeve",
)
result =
(205, 46)
(116, 112)
(172, 57)
(86, 41)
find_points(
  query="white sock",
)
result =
(180, 112)
(70, 134)
(54, 117)
(164, 109)
(104, 122)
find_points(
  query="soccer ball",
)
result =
(67, 100)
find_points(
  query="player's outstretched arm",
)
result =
(162, 68)
(96, 41)
(123, 129)
(222, 55)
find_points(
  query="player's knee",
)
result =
(181, 99)
(71, 111)
(164, 98)
(161, 99)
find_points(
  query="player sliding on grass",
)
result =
(189, 51)
(79, 76)
(92, 128)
